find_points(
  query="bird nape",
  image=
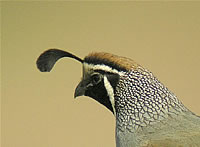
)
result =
(147, 113)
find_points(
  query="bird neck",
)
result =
(142, 100)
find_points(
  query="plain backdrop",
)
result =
(38, 109)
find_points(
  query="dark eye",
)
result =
(95, 78)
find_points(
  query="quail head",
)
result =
(147, 113)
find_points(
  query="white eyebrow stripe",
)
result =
(110, 92)
(101, 67)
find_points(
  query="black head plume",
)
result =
(46, 60)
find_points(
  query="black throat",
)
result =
(99, 92)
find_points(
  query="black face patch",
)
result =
(99, 93)
(97, 90)
(113, 79)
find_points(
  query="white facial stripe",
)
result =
(110, 92)
(101, 67)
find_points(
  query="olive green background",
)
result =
(38, 109)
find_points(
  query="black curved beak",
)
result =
(80, 89)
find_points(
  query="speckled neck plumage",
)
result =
(142, 100)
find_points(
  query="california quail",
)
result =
(147, 113)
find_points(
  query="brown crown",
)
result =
(117, 62)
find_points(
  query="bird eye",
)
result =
(95, 78)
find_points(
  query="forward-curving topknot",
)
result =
(46, 60)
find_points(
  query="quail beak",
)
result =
(80, 89)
